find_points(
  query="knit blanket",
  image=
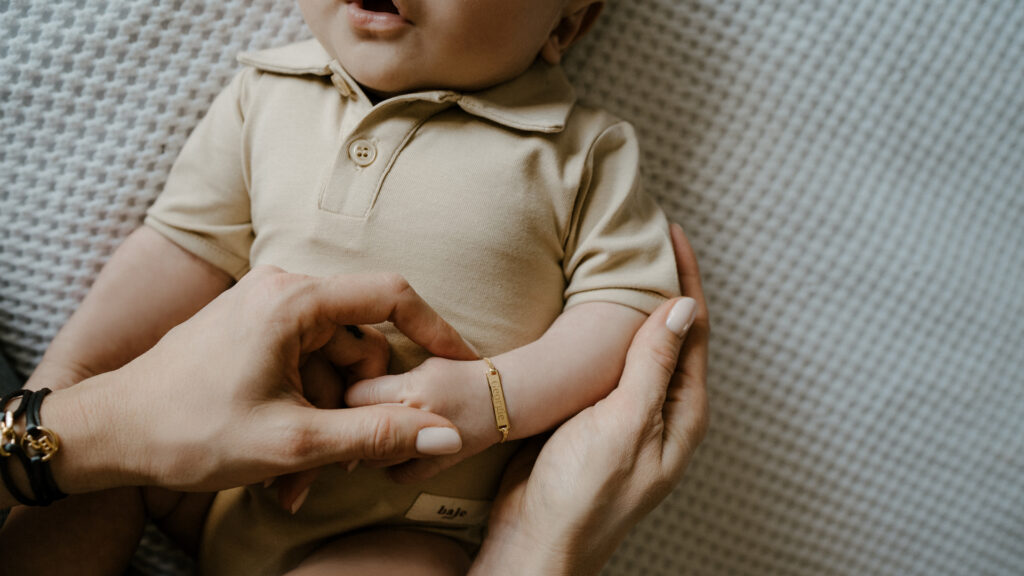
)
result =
(851, 175)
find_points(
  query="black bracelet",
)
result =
(44, 444)
(11, 447)
(37, 447)
(15, 450)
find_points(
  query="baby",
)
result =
(439, 140)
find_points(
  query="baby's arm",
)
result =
(574, 364)
(149, 286)
(577, 362)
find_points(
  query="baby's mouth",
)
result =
(379, 6)
(378, 18)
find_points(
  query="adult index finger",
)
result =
(373, 298)
(686, 414)
(694, 359)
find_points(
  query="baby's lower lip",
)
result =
(375, 22)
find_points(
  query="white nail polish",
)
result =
(438, 441)
(300, 501)
(681, 316)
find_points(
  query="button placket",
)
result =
(362, 161)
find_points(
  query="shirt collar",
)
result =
(538, 100)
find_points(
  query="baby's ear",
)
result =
(578, 18)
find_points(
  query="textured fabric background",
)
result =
(850, 173)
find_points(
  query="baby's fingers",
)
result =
(361, 349)
(321, 384)
(382, 390)
(292, 489)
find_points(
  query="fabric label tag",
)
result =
(448, 510)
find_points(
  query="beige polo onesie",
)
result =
(501, 207)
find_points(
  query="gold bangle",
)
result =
(498, 401)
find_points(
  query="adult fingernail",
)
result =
(269, 482)
(352, 466)
(681, 316)
(300, 501)
(438, 441)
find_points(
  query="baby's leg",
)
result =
(97, 533)
(88, 534)
(179, 515)
(387, 551)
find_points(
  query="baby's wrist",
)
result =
(475, 415)
(500, 423)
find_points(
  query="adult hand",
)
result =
(565, 509)
(219, 401)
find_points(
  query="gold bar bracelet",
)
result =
(498, 400)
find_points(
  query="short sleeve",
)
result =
(204, 208)
(618, 248)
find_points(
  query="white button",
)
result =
(362, 152)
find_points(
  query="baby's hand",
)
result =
(352, 354)
(454, 389)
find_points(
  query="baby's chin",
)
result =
(383, 84)
(379, 82)
(386, 88)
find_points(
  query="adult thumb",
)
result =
(368, 433)
(654, 352)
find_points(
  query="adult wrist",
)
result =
(85, 416)
(579, 549)
(510, 555)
